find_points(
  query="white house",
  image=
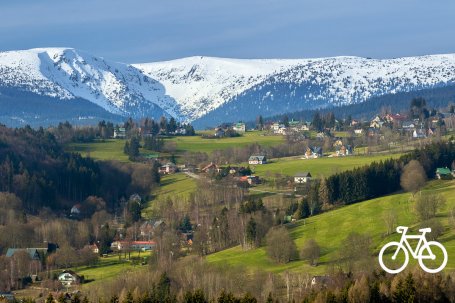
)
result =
(239, 127)
(120, 133)
(69, 278)
(304, 177)
(254, 160)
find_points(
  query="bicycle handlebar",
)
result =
(402, 229)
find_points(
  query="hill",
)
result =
(331, 228)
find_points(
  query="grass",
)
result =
(176, 185)
(317, 167)
(111, 149)
(198, 144)
(331, 228)
(108, 268)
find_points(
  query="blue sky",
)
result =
(149, 30)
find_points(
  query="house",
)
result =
(395, 119)
(408, 125)
(180, 131)
(251, 180)
(168, 168)
(443, 173)
(211, 168)
(134, 245)
(376, 122)
(354, 122)
(254, 160)
(418, 134)
(76, 210)
(239, 127)
(219, 132)
(358, 131)
(32, 252)
(120, 133)
(7, 296)
(304, 177)
(94, 248)
(321, 281)
(344, 150)
(313, 152)
(69, 278)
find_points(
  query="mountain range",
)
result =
(46, 85)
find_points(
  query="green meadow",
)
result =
(199, 144)
(317, 167)
(331, 228)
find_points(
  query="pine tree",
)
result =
(324, 194)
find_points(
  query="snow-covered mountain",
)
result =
(210, 90)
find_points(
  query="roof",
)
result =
(303, 174)
(443, 171)
(259, 158)
(32, 252)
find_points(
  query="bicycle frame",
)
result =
(415, 253)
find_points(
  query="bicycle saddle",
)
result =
(425, 230)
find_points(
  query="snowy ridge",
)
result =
(67, 73)
(194, 87)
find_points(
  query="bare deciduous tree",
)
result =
(413, 177)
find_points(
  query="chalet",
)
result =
(344, 150)
(408, 125)
(32, 252)
(321, 281)
(443, 173)
(304, 177)
(94, 248)
(313, 152)
(239, 127)
(168, 168)
(219, 132)
(180, 131)
(211, 168)
(276, 126)
(395, 119)
(69, 278)
(134, 245)
(9, 297)
(358, 131)
(149, 228)
(418, 134)
(255, 160)
(376, 122)
(76, 210)
(251, 180)
(120, 133)
(354, 122)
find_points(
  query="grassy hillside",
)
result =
(317, 167)
(331, 228)
(198, 144)
(112, 149)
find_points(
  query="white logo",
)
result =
(432, 255)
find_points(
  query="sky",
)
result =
(137, 31)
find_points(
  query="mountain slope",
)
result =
(207, 90)
(67, 74)
(215, 89)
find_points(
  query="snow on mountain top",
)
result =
(192, 87)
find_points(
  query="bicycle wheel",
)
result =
(390, 264)
(432, 257)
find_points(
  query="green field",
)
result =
(109, 267)
(331, 228)
(111, 149)
(317, 167)
(198, 144)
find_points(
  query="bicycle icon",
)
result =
(429, 253)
